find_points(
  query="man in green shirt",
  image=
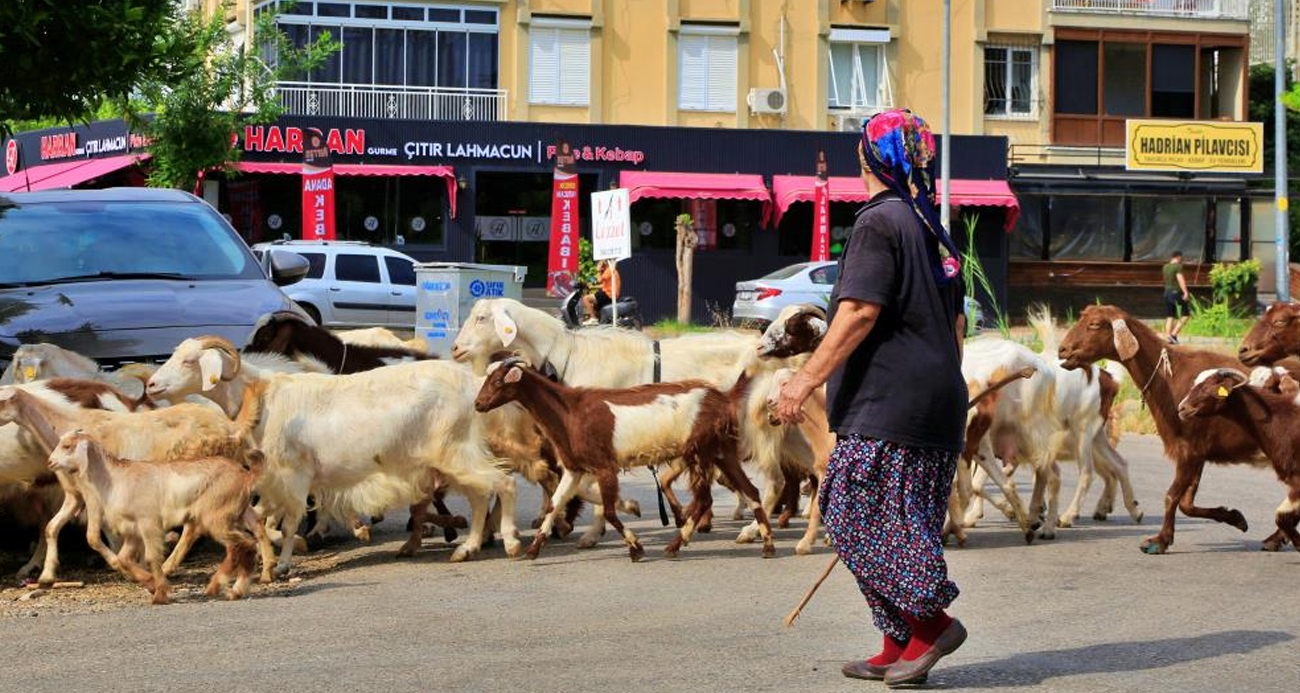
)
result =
(1177, 305)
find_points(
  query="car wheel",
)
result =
(311, 312)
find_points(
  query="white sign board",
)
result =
(611, 225)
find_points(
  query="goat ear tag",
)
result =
(29, 373)
(1222, 392)
(210, 368)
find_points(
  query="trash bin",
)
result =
(446, 291)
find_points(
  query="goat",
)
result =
(407, 424)
(140, 501)
(380, 337)
(288, 334)
(183, 431)
(42, 361)
(1165, 373)
(598, 432)
(1271, 418)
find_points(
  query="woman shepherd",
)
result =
(897, 401)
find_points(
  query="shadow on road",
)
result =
(1034, 668)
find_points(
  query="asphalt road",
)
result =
(1087, 612)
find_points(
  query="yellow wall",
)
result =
(634, 55)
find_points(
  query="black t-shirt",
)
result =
(903, 383)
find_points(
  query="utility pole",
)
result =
(945, 148)
(1279, 151)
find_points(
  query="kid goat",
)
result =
(1272, 419)
(599, 432)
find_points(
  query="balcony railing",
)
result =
(388, 101)
(1200, 9)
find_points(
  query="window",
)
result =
(1087, 227)
(316, 264)
(706, 72)
(356, 268)
(398, 45)
(1076, 64)
(1173, 81)
(400, 270)
(1162, 225)
(1009, 84)
(824, 275)
(1026, 238)
(1227, 230)
(1124, 82)
(856, 69)
(560, 64)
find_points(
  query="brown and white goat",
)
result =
(600, 432)
(1165, 374)
(139, 501)
(1271, 418)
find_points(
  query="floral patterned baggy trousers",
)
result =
(884, 506)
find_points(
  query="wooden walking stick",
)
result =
(1025, 372)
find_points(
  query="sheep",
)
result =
(288, 334)
(32, 362)
(405, 425)
(599, 432)
(1165, 373)
(1272, 419)
(381, 337)
(140, 501)
(183, 431)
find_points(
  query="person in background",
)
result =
(605, 294)
(896, 400)
(1178, 305)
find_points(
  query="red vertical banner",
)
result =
(821, 230)
(317, 188)
(562, 263)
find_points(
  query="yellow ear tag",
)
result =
(213, 379)
(509, 330)
(1223, 392)
(29, 373)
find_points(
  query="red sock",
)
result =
(892, 651)
(924, 633)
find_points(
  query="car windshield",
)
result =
(786, 272)
(58, 242)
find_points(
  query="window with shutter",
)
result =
(706, 72)
(560, 66)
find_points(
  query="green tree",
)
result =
(1262, 100)
(221, 88)
(64, 59)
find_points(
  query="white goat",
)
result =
(374, 440)
(43, 361)
(381, 337)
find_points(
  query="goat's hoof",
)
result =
(461, 555)
(1034, 527)
(705, 528)
(299, 544)
(449, 535)
(738, 514)
(803, 548)
(670, 552)
(587, 541)
(1029, 537)
(514, 549)
(632, 508)
(636, 552)
(160, 597)
(1154, 546)
(266, 578)
(1064, 521)
(280, 572)
(1272, 546)
(212, 591)
(745, 538)
(561, 529)
(769, 550)
(961, 542)
(1236, 519)
(1047, 536)
(362, 534)
(408, 549)
(1099, 516)
(783, 521)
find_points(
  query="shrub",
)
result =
(1231, 280)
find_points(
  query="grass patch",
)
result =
(671, 328)
(1217, 320)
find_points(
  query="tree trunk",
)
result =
(686, 242)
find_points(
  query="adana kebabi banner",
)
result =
(611, 225)
(562, 263)
(317, 188)
(821, 236)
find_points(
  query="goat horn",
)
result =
(222, 344)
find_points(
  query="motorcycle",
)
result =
(574, 314)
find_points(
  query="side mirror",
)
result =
(287, 267)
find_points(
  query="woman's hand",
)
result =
(789, 405)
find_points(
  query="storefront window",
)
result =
(1227, 230)
(1087, 227)
(720, 224)
(1162, 225)
(795, 229)
(1026, 240)
(512, 219)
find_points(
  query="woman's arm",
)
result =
(853, 322)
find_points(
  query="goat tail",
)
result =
(741, 388)
(1040, 318)
(250, 410)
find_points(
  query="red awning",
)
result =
(965, 193)
(445, 172)
(66, 174)
(697, 186)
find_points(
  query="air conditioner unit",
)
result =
(767, 101)
(849, 122)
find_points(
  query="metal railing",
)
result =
(1201, 9)
(392, 101)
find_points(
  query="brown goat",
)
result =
(139, 501)
(599, 432)
(1271, 418)
(288, 334)
(1164, 374)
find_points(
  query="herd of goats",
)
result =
(238, 444)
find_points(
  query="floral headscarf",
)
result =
(898, 147)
